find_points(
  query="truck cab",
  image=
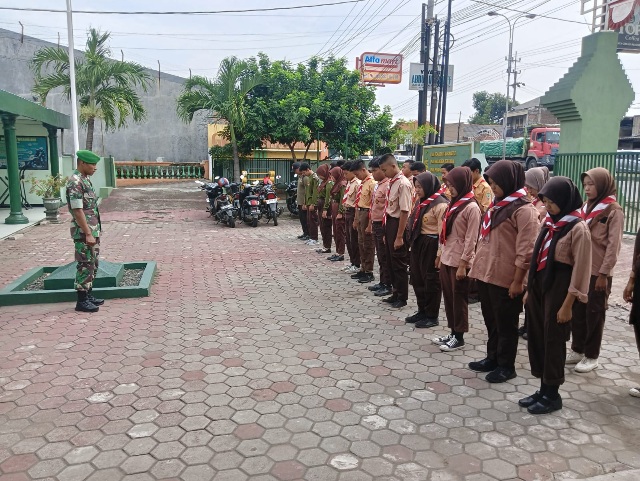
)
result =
(543, 142)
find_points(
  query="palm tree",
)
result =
(105, 87)
(223, 97)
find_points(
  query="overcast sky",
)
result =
(546, 46)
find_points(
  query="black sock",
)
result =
(459, 336)
(552, 392)
(82, 296)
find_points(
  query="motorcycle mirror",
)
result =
(295, 176)
(255, 182)
(278, 177)
(216, 177)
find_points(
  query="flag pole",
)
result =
(72, 78)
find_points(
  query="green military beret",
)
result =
(87, 157)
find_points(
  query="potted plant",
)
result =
(49, 189)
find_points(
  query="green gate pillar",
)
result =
(13, 173)
(591, 99)
(54, 158)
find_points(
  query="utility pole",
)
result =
(421, 93)
(516, 72)
(445, 73)
(434, 81)
(459, 122)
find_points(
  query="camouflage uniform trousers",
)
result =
(87, 258)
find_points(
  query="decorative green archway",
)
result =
(13, 108)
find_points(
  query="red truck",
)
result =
(538, 149)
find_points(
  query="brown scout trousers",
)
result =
(339, 233)
(547, 339)
(587, 325)
(366, 244)
(302, 215)
(456, 299)
(501, 316)
(381, 252)
(352, 237)
(425, 278)
(398, 259)
(325, 225)
(312, 223)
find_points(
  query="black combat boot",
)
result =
(94, 300)
(84, 304)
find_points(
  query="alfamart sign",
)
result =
(376, 67)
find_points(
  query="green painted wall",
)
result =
(591, 99)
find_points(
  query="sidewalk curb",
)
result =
(631, 475)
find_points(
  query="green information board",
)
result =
(435, 156)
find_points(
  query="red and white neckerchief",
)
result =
(485, 228)
(386, 200)
(422, 204)
(359, 193)
(597, 209)
(552, 229)
(452, 208)
(346, 193)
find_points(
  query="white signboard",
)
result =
(416, 77)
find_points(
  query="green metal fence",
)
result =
(626, 168)
(282, 167)
(138, 170)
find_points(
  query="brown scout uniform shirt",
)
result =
(400, 197)
(432, 221)
(368, 185)
(461, 242)
(574, 249)
(483, 193)
(606, 240)
(352, 189)
(377, 207)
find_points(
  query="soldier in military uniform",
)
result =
(85, 229)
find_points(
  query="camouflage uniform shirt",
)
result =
(80, 195)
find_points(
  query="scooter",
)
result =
(269, 203)
(292, 197)
(250, 206)
(220, 204)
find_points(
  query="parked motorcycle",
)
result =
(292, 197)
(220, 203)
(269, 203)
(250, 211)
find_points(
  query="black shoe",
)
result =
(545, 405)
(304, 238)
(358, 275)
(486, 365)
(418, 316)
(473, 300)
(366, 278)
(399, 304)
(323, 251)
(525, 336)
(301, 237)
(86, 306)
(522, 331)
(337, 258)
(330, 258)
(426, 323)
(390, 300)
(500, 374)
(94, 300)
(375, 287)
(385, 291)
(525, 402)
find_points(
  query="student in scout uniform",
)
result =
(444, 170)
(458, 245)
(418, 168)
(335, 210)
(535, 179)
(300, 195)
(558, 277)
(323, 196)
(605, 220)
(481, 188)
(396, 214)
(349, 202)
(85, 229)
(310, 201)
(507, 234)
(378, 199)
(406, 169)
(423, 233)
(632, 294)
(366, 244)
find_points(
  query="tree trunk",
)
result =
(292, 148)
(90, 127)
(307, 150)
(236, 158)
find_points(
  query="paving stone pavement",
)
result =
(254, 358)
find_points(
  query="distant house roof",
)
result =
(16, 105)
(470, 131)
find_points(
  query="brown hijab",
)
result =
(564, 193)
(605, 186)
(339, 178)
(323, 173)
(509, 175)
(462, 180)
(430, 185)
(536, 178)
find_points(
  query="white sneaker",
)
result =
(574, 357)
(312, 242)
(452, 345)
(634, 391)
(586, 365)
(442, 340)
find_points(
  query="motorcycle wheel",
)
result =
(232, 221)
(254, 222)
(275, 217)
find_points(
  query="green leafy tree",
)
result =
(410, 137)
(489, 108)
(225, 98)
(106, 88)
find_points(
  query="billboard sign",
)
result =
(629, 34)
(378, 67)
(416, 77)
(33, 153)
(435, 156)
